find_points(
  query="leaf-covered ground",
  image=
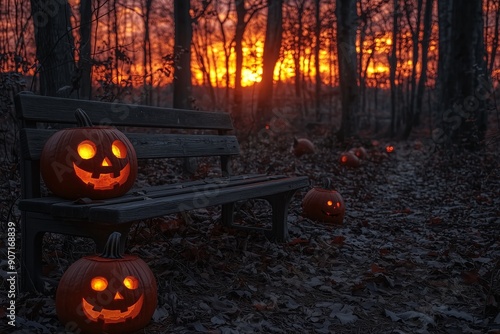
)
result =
(419, 250)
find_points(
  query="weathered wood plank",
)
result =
(35, 108)
(81, 211)
(165, 205)
(70, 209)
(147, 145)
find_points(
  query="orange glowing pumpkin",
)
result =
(88, 161)
(111, 292)
(324, 204)
(389, 149)
(349, 159)
(302, 146)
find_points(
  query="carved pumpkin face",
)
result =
(324, 205)
(121, 304)
(101, 176)
(93, 161)
(107, 294)
(349, 159)
(389, 148)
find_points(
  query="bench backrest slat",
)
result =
(35, 108)
(147, 145)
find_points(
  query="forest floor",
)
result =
(418, 252)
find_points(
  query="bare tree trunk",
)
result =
(444, 20)
(364, 15)
(393, 64)
(317, 35)
(222, 19)
(85, 61)
(298, 50)
(182, 55)
(346, 50)
(241, 23)
(118, 52)
(466, 85)
(415, 33)
(238, 48)
(429, 4)
(272, 46)
(494, 43)
(54, 46)
(146, 57)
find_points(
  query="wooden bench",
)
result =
(206, 134)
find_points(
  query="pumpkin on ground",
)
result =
(88, 161)
(389, 148)
(360, 152)
(349, 159)
(324, 204)
(302, 146)
(111, 292)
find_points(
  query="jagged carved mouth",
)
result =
(330, 214)
(112, 316)
(105, 181)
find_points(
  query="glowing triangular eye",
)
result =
(86, 149)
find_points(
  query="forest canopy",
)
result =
(129, 50)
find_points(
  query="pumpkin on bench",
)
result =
(88, 161)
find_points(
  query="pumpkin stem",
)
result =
(328, 184)
(112, 247)
(82, 119)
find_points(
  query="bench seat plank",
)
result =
(68, 209)
(125, 212)
(44, 204)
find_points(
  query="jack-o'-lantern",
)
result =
(302, 146)
(111, 292)
(324, 204)
(360, 152)
(349, 159)
(88, 161)
(389, 148)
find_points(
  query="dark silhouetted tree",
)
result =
(85, 61)
(465, 82)
(346, 49)
(54, 47)
(182, 55)
(272, 45)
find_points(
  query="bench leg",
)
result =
(227, 214)
(31, 256)
(279, 204)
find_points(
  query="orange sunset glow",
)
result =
(118, 42)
